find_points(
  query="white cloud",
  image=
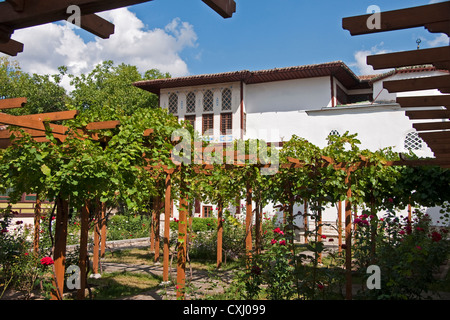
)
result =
(361, 60)
(441, 40)
(52, 45)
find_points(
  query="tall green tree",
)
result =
(43, 92)
(108, 92)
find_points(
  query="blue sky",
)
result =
(267, 34)
(187, 37)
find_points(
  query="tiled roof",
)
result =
(337, 68)
(420, 68)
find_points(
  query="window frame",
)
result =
(208, 101)
(208, 213)
(207, 117)
(173, 104)
(225, 99)
(190, 102)
(230, 122)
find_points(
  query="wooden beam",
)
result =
(428, 114)
(225, 8)
(439, 150)
(417, 163)
(415, 84)
(11, 47)
(435, 135)
(435, 56)
(21, 121)
(425, 126)
(97, 25)
(52, 116)
(5, 33)
(439, 27)
(17, 5)
(424, 101)
(6, 134)
(12, 103)
(39, 12)
(103, 125)
(400, 19)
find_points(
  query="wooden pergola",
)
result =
(436, 19)
(19, 14)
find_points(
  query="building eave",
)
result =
(337, 69)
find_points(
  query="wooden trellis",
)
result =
(436, 19)
(19, 14)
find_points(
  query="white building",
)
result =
(311, 101)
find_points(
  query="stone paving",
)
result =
(201, 282)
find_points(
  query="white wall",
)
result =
(289, 95)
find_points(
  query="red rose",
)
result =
(47, 261)
(436, 236)
(283, 242)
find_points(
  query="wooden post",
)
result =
(59, 251)
(156, 225)
(167, 207)
(348, 244)
(103, 230)
(248, 222)
(182, 241)
(82, 263)
(258, 226)
(409, 215)
(319, 231)
(305, 219)
(339, 226)
(152, 227)
(96, 258)
(37, 224)
(291, 217)
(219, 233)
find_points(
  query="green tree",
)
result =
(44, 93)
(108, 92)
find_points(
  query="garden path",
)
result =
(202, 282)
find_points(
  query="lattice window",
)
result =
(333, 133)
(173, 103)
(226, 123)
(208, 124)
(226, 100)
(208, 101)
(207, 211)
(190, 102)
(413, 141)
